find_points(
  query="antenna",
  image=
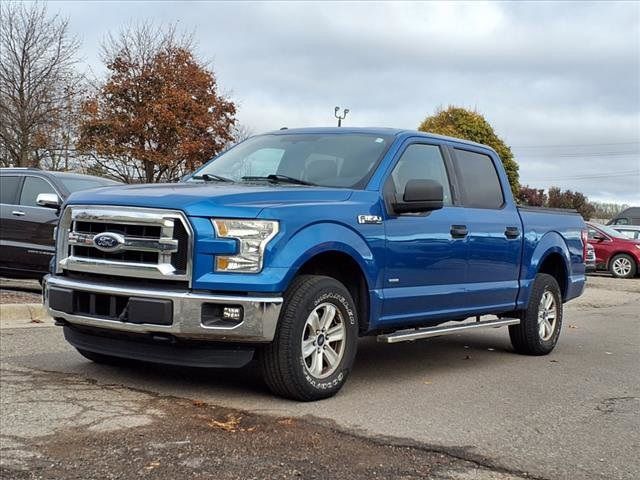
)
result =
(340, 117)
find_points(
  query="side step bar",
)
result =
(419, 333)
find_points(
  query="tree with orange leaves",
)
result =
(159, 113)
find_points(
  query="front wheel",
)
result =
(539, 328)
(623, 266)
(315, 344)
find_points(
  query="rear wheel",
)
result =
(315, 344)
(539, 329)
(623, 266)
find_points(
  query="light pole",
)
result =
(340, 118)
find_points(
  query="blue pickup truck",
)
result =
(291, 245)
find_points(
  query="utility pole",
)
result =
(340, 118)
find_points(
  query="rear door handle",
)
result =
(512, 232)
(18, 213)
(459, 231)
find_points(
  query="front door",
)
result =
(426, 253)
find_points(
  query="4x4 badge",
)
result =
(368, 219)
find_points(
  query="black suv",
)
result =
(30, 200)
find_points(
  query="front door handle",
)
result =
(459, 231)
(512, 232)
(18, 213)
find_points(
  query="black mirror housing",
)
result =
(420, 196)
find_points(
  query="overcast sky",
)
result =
(560, 82)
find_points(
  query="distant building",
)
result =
(629, 216)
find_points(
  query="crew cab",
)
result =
(292, 244)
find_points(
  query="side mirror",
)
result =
(420, 196)
(599, 237)
(48, 200)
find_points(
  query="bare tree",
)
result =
(240, 133)
(37, 82)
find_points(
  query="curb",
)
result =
(24, 315)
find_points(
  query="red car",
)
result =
(614, 251)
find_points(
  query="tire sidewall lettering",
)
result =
(339, 376)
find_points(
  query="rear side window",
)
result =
(33, 186)
(479, 179)
(9, 186)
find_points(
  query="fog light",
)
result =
(221, 316)
(233, 314)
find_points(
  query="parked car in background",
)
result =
(590, 259)
(292, 244)
(30, 200)
(629, 216)
(631, 231)
(615, 252)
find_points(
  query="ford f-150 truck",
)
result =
(292, 244)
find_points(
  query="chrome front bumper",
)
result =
(258, 324)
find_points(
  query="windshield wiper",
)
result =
(277, 178)
(210, 177)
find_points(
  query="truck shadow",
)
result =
(375, 364)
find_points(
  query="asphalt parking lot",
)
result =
(460, 406)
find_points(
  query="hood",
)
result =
(207, 199)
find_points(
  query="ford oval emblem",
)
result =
(108, 242)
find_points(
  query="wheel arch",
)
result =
(554, 264)
(344, 268)
(551, 255)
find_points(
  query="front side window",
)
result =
(325, 159)
(421, 162)
(479, 180)
(32, 187)
(9, 185)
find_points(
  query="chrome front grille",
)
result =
(125, 241)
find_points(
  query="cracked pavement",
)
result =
(455, 407)
(58, 426)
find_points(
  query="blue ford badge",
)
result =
(108, 242)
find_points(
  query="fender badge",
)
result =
(369, 219)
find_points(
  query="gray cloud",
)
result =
(542, 73)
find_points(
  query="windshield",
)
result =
(74, 184)
(610, 231)
(330, 160)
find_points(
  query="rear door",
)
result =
(426, 263)
(36, 224)
(495, 232)
(11, 236)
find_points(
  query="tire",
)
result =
(623, 266)
(100, 357)
(286, 371)
(537, 333)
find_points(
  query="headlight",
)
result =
(638, 246)
(252, 236)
